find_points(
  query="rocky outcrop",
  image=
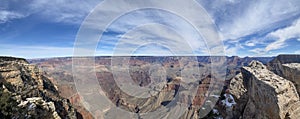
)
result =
(238, 89)
(287, 66)
(32, 105)
(263, 94)
(27, 93)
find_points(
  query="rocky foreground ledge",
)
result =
(262, 94)
(26, 93)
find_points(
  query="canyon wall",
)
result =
(261, 93)
(27, 93)
(288, 67)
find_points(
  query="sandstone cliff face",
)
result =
(263, 94)
(26, 93)
(287, 66)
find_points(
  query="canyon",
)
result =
(139, 71)
(165, 87)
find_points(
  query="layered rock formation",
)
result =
(61, 70)
(287, 66)
(262, 94)
(162, 99)
(27, 93)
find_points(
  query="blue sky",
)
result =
(48, 28)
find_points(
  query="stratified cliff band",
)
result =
(26, 93)
(261, 94)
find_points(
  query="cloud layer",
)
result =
(254, 28)
(284, 34)
(66, 11)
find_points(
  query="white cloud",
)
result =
(235, 18)
(6, 16)
(241, 18)
(233, 48)
(232, 51)
(250, 44)
(297, 52)
(253, 42)
(258, 51)
(68, 11)
(162, 36)
(283, 35)
(189, 38)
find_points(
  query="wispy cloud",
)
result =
(65, 11)
(259, 51)
(259, 27)
(176, 33)
(6, 16)
(232, 48)
(250, 44)
(68, 11)
(160, 35)
(249, 23)
(254, 42)
(241, 18)
(283, 35)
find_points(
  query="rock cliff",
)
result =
(262, 94)
(26, 93)
(287, 66)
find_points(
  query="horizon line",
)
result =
(32, 58)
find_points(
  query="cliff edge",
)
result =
(261, 93)
(27, 93)
(288, 67)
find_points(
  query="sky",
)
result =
(48, 28)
